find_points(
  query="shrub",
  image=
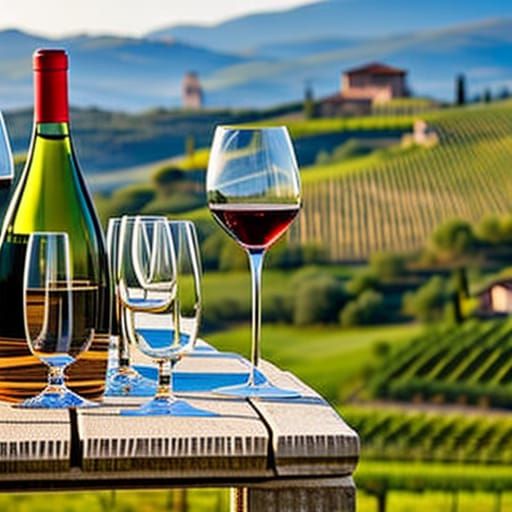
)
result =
(282, 256)
(168, 175)
(366, 309)
(428, 302)
(286, 256)
(387, 265)
(232, 257)
(278, 308)
(310, 272)
(318, 300)
(130, 200)
(455, 237)
(349, 149)
(211, 249)
(506, 229)
(366, 280)
(178, 202)
(490, 230)
(322, 158)
(225, 310)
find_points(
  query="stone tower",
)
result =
(192, 92)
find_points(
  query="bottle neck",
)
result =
(57, 130)
(51, 96)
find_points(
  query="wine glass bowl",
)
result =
(60, 315)
(253, 184)
(254, 194)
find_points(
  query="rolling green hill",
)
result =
(388, 199)
(394, 202)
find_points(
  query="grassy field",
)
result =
(436, 502)
(217, 501)
(207, 500)
(332, 359)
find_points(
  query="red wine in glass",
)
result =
(253, 187)
(255, 226)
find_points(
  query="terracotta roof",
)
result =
(375, 68)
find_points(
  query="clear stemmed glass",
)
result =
(147, 284)
(253, 188)
(59, 316)
(123, 380)
(186, 311)
(6, 165)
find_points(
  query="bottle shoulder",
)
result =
(51, 193)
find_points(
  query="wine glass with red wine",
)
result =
(254, 193)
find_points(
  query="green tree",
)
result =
(387, 265)
(490, 230)
(309, 103)
(506, 229)
(367, 309)
(456, 238)
(366, 280)
(168, 175)
(504, 93)
(428, 302)
(190, 146)
(318, 300)
(460, 89)
(127, 201)
(232, 257)
(349, 149)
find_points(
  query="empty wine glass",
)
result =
(186, 310)
(6, 166)
(123, 379)
(59, 316)
(253, 188)
(147, 284)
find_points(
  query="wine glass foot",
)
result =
(128, 382)
(167, 407)
(50, 399)
(256, 390)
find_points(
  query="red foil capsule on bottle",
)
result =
(50, 86)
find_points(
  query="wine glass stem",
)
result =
(123, 346)
(256, 264)
(165, 367)
(56, 379)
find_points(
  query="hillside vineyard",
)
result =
(467, 364)
(395, 205)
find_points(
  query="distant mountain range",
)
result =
(107, 71)
(266, 59)
(352, 19)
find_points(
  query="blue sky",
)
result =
(130, 17)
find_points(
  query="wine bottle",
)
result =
(51, 195)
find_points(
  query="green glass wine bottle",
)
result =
(51, 196)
